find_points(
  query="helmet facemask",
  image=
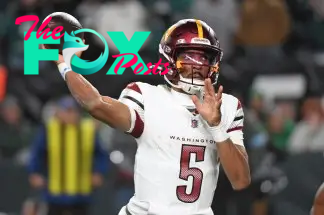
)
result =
(191, 67)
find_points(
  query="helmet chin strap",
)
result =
(185, 85)
(191, 86)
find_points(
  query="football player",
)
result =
(318, 205)
(184, 130)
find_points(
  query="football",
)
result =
(69, 24)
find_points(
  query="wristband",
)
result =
(63, 68)
(218, 133)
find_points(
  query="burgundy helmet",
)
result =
(189, 34)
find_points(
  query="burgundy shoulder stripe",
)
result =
(135, 87)
(235, 129)
(139, 126)
(239, 105)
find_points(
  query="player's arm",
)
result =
(318, 205)
(230, 147)
(233, 155)
(108, 110)
(103, 108)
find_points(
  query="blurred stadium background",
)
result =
(274, 62)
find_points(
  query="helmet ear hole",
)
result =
(179, 64)
(215, 68)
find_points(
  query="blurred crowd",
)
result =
(273, 61)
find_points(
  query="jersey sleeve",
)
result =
(133, 98)
(235, 130)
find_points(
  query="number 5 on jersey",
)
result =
(186, 171)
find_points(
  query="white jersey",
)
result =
(176, 164)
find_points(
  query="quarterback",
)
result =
(184, 129)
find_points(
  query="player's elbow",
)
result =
(317, 209)
(241, 183)
(319, 200)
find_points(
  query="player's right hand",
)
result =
(57, 62)
(61, 59)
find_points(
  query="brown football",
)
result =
(69, 24)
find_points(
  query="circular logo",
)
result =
(73, 44)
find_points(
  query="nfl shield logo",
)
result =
(194, 123)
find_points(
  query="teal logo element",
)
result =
(73, 44)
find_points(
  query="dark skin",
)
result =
(195, 71)
(233, 157)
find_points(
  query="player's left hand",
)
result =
(209, 108)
